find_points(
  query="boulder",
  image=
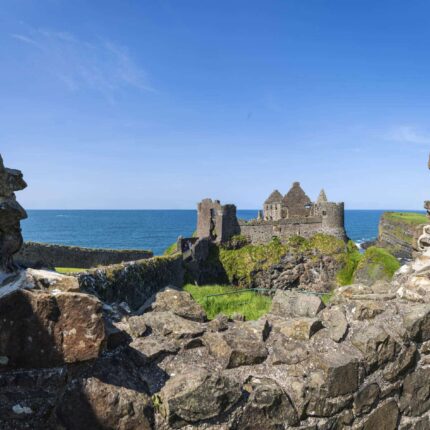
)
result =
(169, 324)
(367, 309)
(197, 395)
(288, 351)
(290, 304)
(333, 318)
(417, 322)
(93, 404)
(385, 417)
(300, 328)
(151, 348)
(136, 326)
(45, 279)
(341, 372)
(238, 346)
(376, 345)
(180, 303)
(39, 329)
(268, 407)
(366, 398)
(219, 323)
(415, 398)
(405, 360)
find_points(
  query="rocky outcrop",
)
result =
(399, 232)
(360, 362)
(11, 213)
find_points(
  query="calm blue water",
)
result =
(147, 229)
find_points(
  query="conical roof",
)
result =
(322, 198)
(296, 197)
(275, 197)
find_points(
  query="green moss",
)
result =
(350, 261)
(248, 303)
(240, 264)
(172, 249)
(412, 218)
(67, 270)
(376, 263)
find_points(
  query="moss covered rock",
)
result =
(375, 264)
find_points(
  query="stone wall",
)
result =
(263, 231)
(34, 254)
(133, 283)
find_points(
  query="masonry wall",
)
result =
(35, 254)
(264, 231)
(134, 283)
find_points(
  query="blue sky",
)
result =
(157, 104)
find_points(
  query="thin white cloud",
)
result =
(102, 66)
(408, 134)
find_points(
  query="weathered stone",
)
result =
(180, 303)
(334, 320)
(288, 351)
(340, 370)
(115, 335)
(366, 398)
(39, 329)
(290, 304)
(219, 323)
(368, 309)
(405, 360)
(376, 345)
(417, 322)
(169, 324)
(385, 417)
(415, 398)
(300, 328)
(197, 396)
(136, 326)
(268, 407)
(238, 346)
(151, 348)
(28, 397)
(93, 404)
(422, 423)
(11, 213)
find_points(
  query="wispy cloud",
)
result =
(408, 134)
(101, 65)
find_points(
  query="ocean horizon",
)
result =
(152, 229)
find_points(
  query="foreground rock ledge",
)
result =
(362, 362)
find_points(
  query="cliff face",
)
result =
(399, 231)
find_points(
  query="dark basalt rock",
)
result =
(11, 213)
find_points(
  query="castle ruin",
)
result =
(282, 216)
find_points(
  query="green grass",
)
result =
(250, 304)
(67, 270)
(351, 259)
(171, 249)
(412, 218)
(376, 261)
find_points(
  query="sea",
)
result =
(149, 229)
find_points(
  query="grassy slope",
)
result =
(67, 270)
(240, 263)
(250, 304)
(377, 259)
(411, 218)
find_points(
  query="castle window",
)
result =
(324, 213)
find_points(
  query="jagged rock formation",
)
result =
(11, 213)
(399, 235)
